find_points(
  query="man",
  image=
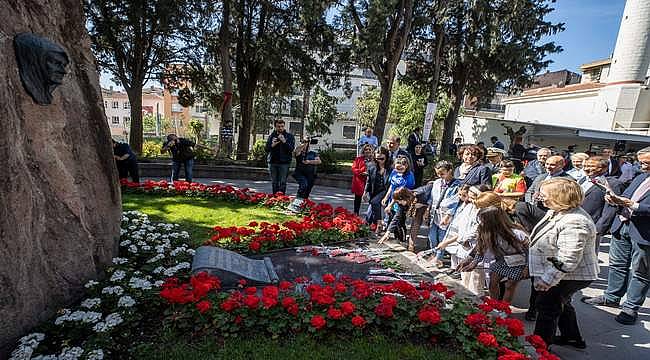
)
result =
(614, 168)
(367, 138)
(494, 157)
(453, 148)
(280, 146)
(535, 168)
(126, 161)
(554, 167)
(497, 143)
(629, 170)
(395, 150)
(630, 245)
(182, 151)
(413, 139)
(595, 186)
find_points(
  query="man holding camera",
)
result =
(279, 147)
(182, 151)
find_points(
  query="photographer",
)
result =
(305, 173)
(182, 152)
(126, 161)
(279, 146)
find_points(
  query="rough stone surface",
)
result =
(59, 196)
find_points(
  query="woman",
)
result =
(562, 260)
(360, 175)
(305, 172)
(502, 246)
(442, 206)
(508, 184)
(419, 163)
(377, 185)
(471, 171)
(578, 160)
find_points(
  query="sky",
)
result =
(591, 27)
(590, 34)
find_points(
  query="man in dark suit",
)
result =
(630, 245)
(536, 167)
(395, 151)
(613, 166)
(594, 186)
(554, 167)
(413, 139)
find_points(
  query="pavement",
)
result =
(606, 339)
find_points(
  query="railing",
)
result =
(492, 107)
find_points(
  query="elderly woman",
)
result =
(578, 160)
(562, 260)
(471, 171)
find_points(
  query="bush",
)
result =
(328, 158)
(151, 149)
(259, 151)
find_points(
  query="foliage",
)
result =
(366, 106)
(328, 160)
(322, 114)
(195, 127)
(407, 109)
(149, 124)
(259, 151)
(134, 41)
(151, 149)
(185, 97)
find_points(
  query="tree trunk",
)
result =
(135, 133)
(226, 71)
(246, 96)
(305, 110)
(449, 126)
(386, 93)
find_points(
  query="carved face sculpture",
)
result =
(41, 65)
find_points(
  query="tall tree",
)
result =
(323, 113)
(134, 41)
(379, 31)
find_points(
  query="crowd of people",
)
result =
(501, 219)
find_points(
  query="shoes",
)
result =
(599, 301)
(563, 341)
(531, 315)
(626, 318)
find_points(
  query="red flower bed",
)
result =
(319, 224)
(427, 313)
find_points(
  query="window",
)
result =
(116, 104)
(296, 129)
(126, 105)
(177, 108)
(349, 132)
(105, 104)
(127, 120)
(180, 123)
(115, 120)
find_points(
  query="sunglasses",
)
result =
(380, 158)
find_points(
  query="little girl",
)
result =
(402, 200)
(401, 176)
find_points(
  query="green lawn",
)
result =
(198, 216)
(293, 348)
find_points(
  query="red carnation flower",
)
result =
(429, 315)
(269, 302)
(271, 291)
(242, 282)
(251, 290)
(255, 246)
(285, 285)
(487, 340)
(229, 305)
(347, 307)
(358, 321)
(203, 306)
(389, 300)
(449, 294)
(340, 288)
(477, 320)
(384, 310)
(329, 278)
(536, 341)
(334, 313)
(318, 322)
(238, 319)
(515, 326)
(253, 224)
(251, 301)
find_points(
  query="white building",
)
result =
(611, 103)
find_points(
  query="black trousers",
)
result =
(357, 204)
(554, 310)
(128, 167)
(305, 184)
(397, 223)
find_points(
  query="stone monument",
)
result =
(230, 267)
(59, 196)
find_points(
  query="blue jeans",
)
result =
(640, 281)
(176, 169)
(279, 174)
(622, 254)
(375, 209)
(436, 235)
(305, 184)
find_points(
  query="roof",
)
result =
(595, 63)
(553, 78)
(557, 90)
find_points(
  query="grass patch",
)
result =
(298, 347)
(198, 216)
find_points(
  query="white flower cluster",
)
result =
(78, 316)
(111, 321)
(126, 302)
(96, 355)
(156, 258)
(113, 290)
(26, 346)
(91, 303)
(173, 270)
(90, 284)
(118, 275)
(120, 261)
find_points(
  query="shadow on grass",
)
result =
(198, 216)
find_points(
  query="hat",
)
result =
(492, 151)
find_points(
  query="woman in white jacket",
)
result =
(562, 260)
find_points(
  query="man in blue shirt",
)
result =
(367, 138)
(279, 147)
(497, 143)
(126, 161)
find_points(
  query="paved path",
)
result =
(606, 339)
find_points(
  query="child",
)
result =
(419, 163)
(401, 176)
(402, 200)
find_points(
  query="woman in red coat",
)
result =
(360, 174)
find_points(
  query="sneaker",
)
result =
(531, 315)
(599, 301)
(626, 318)
(564, 341)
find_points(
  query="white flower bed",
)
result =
(149, 253)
